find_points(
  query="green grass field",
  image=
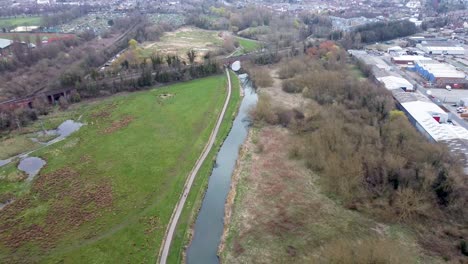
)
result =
(249, 45)
(246, 46)
(20, 21)
(32, 36)
(108, 191)
(189, 214)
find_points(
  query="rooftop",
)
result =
(5, 43)
(394, 82)
(410, 58)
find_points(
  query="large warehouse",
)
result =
(441, 74)
(394, 82)
(441, 49)
(409, 59)
(431, 121)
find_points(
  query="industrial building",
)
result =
(409, 59)
(394, 82)
(432, 121)
(440, 74)
(441, 49)
(429, 119)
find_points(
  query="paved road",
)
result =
(164, 252)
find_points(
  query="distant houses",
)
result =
(6, 44)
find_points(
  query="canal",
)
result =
(210, 221)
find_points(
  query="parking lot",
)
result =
(449, 97)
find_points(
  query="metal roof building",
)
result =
(441, 49)
(394, 82)
(406, 59)
(5, 43)
(431, 121)
(434, 71)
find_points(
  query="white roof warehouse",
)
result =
(439, 50)
(394, 82)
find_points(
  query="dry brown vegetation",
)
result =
(117, 125)
(281, 216)
(366, 251)
(260, 76)
(74, 203)
(368, 157)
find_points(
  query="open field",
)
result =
(108, 191)
(20, 21)
(183, 40)
(183, 233)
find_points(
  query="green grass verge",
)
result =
(248, 45)
(182, 234)
(144, 164)
(12, 182)
(15, 145)
(20, 21)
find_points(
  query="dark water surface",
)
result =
(210, 221)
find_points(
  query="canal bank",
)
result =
(183, 232)
(209, 224)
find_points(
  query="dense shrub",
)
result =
(290, 86)
(369, 156)
(260, 77)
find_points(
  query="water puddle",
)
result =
(31, 166)
(63, 131)
(67, 128)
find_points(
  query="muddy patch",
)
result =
(105, 112)
(7, 202)
(117, 125)
(63, 201)
(165, 96)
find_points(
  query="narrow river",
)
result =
(210, 221)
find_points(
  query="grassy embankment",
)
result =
(183, 232)
(108, 191)
(246, 46)
(20, 21)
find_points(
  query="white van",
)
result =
(448, 87)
